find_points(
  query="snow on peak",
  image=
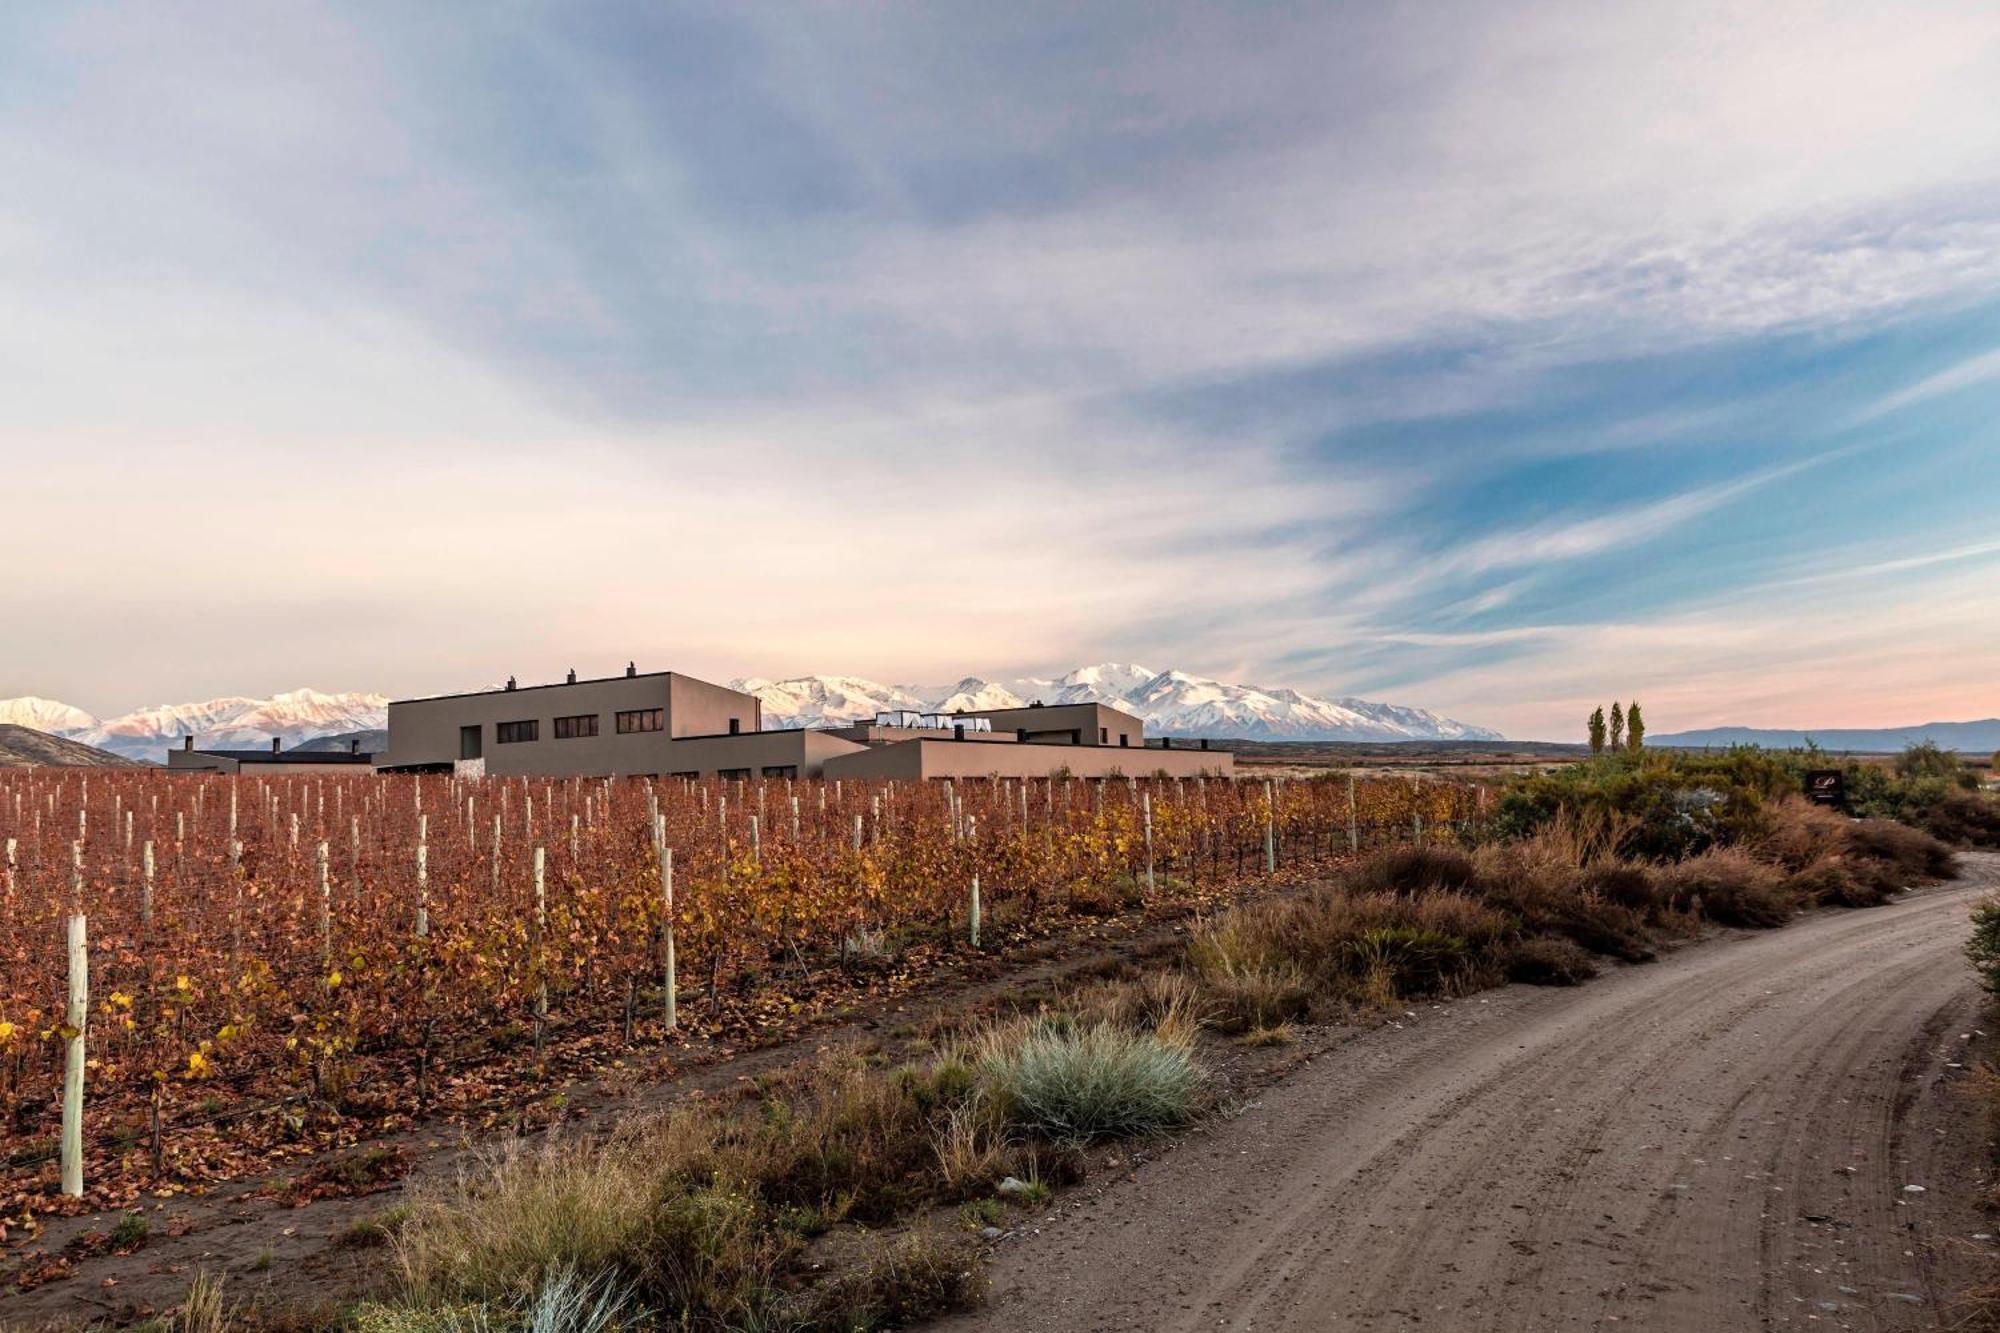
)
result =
(1171, 702)
(234, 722)
(815, 701)
(45, 715)
(975, 695)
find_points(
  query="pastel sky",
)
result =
(1495, 358)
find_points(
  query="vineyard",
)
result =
(270, 960)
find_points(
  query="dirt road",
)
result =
(1758, 1132)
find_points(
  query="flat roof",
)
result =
(549, 685)
(286, 756)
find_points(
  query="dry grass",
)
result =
(1272, 962)
(1074, 1082)
(1733, 887)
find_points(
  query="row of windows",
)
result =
(581, 726)
(642, 719)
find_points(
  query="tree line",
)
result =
(1626, 729)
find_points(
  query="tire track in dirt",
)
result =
(1716, 1142)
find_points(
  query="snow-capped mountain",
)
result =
(1172, 703)
(813, 701)
(974, 694)
(45, 715)
(231, 723)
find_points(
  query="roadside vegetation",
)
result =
(853, 1192)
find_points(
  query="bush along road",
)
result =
(1765, 1131)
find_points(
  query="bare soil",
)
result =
(1765, 1131)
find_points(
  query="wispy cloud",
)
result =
(1345, 347)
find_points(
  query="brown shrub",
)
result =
(1965, 817)
(1731, 886)
(1797, 834)
(1412, 870)
(1832, 882)
(1337, 944)
(1549, 894)
(1625, 884)
(1912, 851)
(1545, 961)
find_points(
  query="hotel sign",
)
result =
(1826, 786)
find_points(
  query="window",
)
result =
(733, 774)
(691, 775)
(1104, 735)
(642, 719)
(468, 742)
(575, 728)
(509, 732)
(781, 770)
(1125, 738)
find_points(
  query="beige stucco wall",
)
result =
(425, 731)
(806, 751)
(1053, 723)
(697, 708)
(958, 759)
(194, 761)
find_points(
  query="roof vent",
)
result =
(275, 743)
(510, 682)
(354, 745)
(572, 675)
(187, 741)
(631, 668)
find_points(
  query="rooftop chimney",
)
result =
(631, 668)
(510, 682)
(275, 743)
(572, 675)
(187, 742)
(354, 745)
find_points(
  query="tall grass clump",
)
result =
(702, 1217)
(1274, 961)
(1076, 1082)
(515, 1217)
(1729, 885)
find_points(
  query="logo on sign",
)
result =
(1826, 786)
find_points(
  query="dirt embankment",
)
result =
(1762, 1132)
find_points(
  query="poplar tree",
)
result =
(1617, 726)
(1635, 728)
(1597, 730)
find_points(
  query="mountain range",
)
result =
(1172, 703)
(230, 723)
(1965, 737)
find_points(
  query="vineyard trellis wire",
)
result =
(287, 938)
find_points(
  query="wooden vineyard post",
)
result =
(857, 830)
(1417, 827)
(1146, 805)
(1270, 828)
(146, 888)
(669, 965)
(325, 911)
(974, 912)
(541, 959)
(1353, 817)
(74, 1021)
(236, 914)
(756, 840)
(423, 877)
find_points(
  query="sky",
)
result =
(1496, 359)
